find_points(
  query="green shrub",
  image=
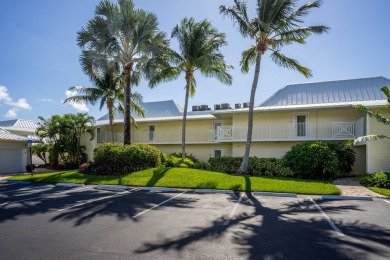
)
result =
(256, 166)
(319, 160)
(118, 159)
(173, 160)
(378, 179)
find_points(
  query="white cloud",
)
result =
(21, 103)
(11, 113)
(4, 96)
(78, 107)
(7, 100)
(48, 100)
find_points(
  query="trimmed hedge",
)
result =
(320, 160)
(378, 179)
(111, 159)
(256, 166)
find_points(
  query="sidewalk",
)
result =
(352, 187)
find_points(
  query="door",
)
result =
(12, 160)
(217, 130)
(301, 125)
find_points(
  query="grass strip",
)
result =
(382, 191)
(191, 178)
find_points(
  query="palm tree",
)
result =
(127, 36)
(199, 44)
(276, 25)
(108, 90)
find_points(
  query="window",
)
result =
(98, 137)
(151, 132)
(301, 125)
(217, 153)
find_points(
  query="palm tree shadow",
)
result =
(295, 230)
(157, 175)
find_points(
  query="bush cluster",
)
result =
(256, 166)
(111, 159)
(175, 160)
(320, 160)
(378, 179)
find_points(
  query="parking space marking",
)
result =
(43, 196)
(330, 222)
(102, 198)
(386, 201)
(233, 212)
(155, 206)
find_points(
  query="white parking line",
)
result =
(155, 206)
(386, 201)
(102, 198)
(233, 212)
(330, 222)
(43, 196)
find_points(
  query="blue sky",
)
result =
(39, 54)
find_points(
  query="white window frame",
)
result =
(306, 114)
(217, 149)
(151, 138)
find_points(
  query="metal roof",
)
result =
(161, 110)
(329, 92)
(20, 123)
(5, 135)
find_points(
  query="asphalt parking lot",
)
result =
(51, 222)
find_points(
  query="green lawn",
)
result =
(385, 192)
(191, 178)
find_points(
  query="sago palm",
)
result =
(199, 44)
(277, 23)
(128, 36)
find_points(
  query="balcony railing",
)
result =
(261, 132)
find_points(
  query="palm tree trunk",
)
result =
(111, 118)
(183, 131)
(244, 164)
(127, 90)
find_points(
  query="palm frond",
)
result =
(248, 57)
(289, 63)
(367, 138)
(374, 114)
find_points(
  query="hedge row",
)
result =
(378, 179)
(111, 159)
(256, 166)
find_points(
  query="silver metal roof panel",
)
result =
(329, 92)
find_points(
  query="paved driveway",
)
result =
(49, 222)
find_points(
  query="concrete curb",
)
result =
(111, 187)
(336, 197)
(70, 185)
(159, 189)
(214, 191)
(19, 182)
(273, 194)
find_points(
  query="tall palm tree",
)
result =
(277, 24)
(199, 44)
(128, 36)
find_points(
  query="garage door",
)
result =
(12, 160)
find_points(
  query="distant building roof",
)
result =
(5, 135)
(329, 92)
(20, 123)
(162, 110)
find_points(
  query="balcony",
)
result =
(289, 132)
(261, 132)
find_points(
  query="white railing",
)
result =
(261, 132)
